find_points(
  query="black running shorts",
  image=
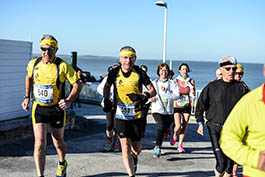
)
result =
(182, 110)
(129, 129)
(52, 115)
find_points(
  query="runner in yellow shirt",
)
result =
(127, 80)
(243, 135)
(45, 77)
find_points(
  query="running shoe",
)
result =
(173, 140)
(108, 146)
(61, 172)
(181, 149)
(115, 148)
(157, 152)
(135, 162)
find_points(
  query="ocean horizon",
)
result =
(202, 72)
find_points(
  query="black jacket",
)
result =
(218, 99)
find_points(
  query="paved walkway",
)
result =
(86, 156)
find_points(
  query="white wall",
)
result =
(14, 57)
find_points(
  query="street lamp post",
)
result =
(164, 4)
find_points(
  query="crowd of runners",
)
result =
(237, 135)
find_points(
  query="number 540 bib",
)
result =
(43, 93)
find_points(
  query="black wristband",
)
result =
(26, 97)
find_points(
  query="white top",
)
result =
(100, 88)
(164, 103)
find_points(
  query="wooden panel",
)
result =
(14, 56)
(4, 42)
(14, 114)
(14, 49)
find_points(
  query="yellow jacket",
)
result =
(243, 134)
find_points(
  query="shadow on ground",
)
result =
(186, 174)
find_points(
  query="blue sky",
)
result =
(200, 30)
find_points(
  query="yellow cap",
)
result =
(240, 67)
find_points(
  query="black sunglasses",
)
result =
(229, 68)
(50, 49)
(239, 73)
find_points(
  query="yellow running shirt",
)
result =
(124, 86)
(45, 89)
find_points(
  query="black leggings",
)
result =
(163, 122)
(223, 163)
(144, 113)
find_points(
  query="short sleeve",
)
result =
(30, 67)
(68, 73)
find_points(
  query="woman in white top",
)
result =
(162, 104)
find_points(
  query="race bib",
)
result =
(43, 93)
(183, 101)
(125, 111)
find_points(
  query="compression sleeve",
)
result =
(145, 78)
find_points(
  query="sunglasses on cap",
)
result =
(239, 73)
(229, 68)
(50, 49)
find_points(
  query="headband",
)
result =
(131, 53)
(49, 42)
(226, 63)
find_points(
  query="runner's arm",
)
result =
(65, 103)
(151, 90)
(173, 91)
(28, 88)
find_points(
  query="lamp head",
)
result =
(161, 3)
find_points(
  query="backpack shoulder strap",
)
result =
(35, 64)
(60, 86)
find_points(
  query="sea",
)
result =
(202, 72)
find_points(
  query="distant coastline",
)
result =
(115, 58)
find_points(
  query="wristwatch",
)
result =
(26, 97)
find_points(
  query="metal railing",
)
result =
(89, 94)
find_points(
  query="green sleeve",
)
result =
(235, 133)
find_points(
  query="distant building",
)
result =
(14, 57)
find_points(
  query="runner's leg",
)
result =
(126, 155)
(186, 118)
(58, 142)
(40, 136)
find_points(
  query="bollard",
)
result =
(74, 60)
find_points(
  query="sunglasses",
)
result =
(229, 68)
(128, 57)
(50, 49)
(239, 73)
